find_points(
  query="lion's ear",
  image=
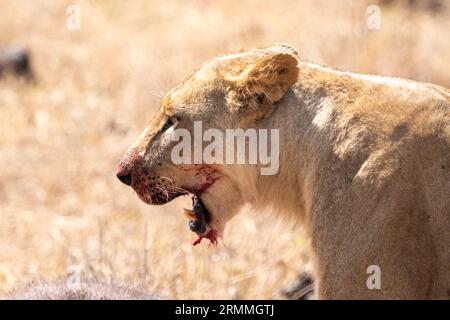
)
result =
(264, 82)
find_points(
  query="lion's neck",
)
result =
(303, 118)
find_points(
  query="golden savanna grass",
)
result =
(96, 88)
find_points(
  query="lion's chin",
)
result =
(158, 199)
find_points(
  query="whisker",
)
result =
(163, 190)
(167, 178)
(173, 187)
(157, 94)
(179, 189)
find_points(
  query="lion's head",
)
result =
(228, 92)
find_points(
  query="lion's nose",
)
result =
(128, 167)
(124, 176)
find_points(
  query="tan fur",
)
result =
(364, 164)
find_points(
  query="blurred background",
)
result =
(98, 80)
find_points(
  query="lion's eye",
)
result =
(169, 123)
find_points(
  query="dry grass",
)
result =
(61, 138)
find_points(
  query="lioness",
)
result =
(364, 163)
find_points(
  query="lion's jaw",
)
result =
(161, 183)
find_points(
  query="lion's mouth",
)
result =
(159, 190)
(199, 216)
(155, 190)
